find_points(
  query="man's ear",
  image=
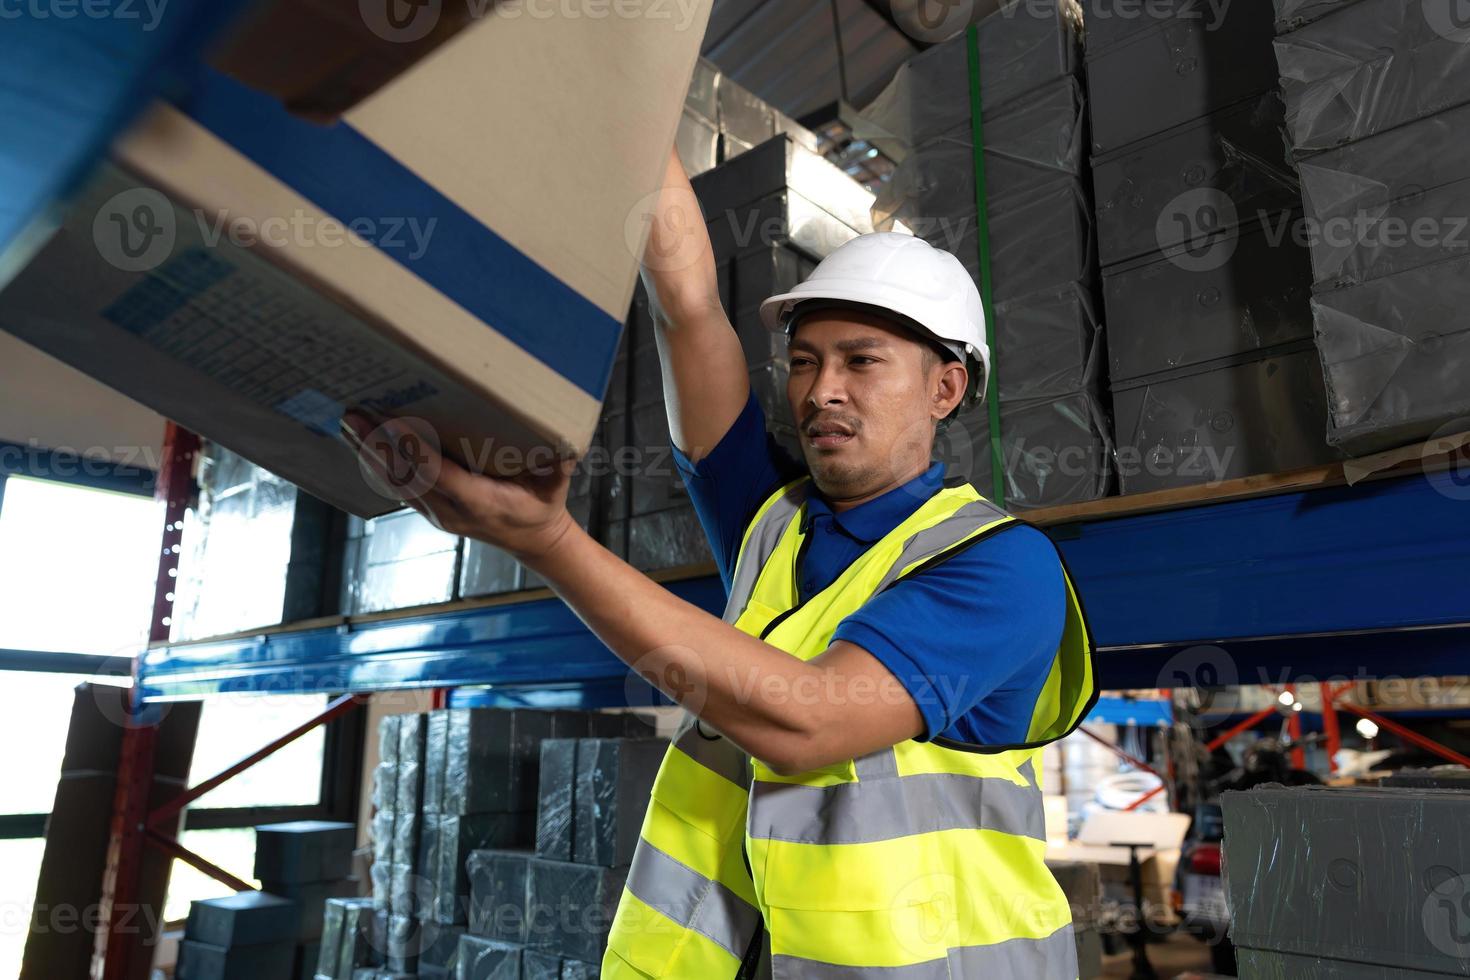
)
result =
(949, 389)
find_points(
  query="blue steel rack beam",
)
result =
(1334, 582)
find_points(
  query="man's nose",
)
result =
(829, 387)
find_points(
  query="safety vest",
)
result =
(924, 860)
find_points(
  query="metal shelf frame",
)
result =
(1334, 582)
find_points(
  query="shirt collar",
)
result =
(870, 521)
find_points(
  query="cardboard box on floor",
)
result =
(492, 199)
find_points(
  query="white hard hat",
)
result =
(926, 287)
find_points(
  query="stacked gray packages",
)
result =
(1348, 883)
(1206, 294)
(1043, 256)
(306, 862)
(1376, 113)
(772, 213)
(548, 912)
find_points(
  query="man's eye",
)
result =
(863, 359)
(801, 361)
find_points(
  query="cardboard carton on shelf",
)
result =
(441, 252)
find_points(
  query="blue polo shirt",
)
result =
(971, 639)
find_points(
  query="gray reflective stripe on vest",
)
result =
(886, 809)
(1051, 958)
(947, 533)
(717, 754)
(764, 538)
(692, 900)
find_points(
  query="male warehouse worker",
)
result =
(860, 794)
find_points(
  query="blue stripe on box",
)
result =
(351, 178)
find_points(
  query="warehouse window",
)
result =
(80, 567)
(232, 726)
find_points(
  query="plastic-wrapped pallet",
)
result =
(1396, 353)
(1292, 14)
(1371, 66)
(1391, 202)
(239, 542)
(397, 560)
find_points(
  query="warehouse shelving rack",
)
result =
(1278, 580)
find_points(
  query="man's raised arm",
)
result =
(704, 370)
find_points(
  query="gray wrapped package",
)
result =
(401, 560)
(411, 729)
(1291, 14)
(578, 970)
(202, 961)
(697, 141)
(1249, 290)
(768, 384)
(1023, 46)
(702, 96)
(388, 733)
(488, 570)
(311, 900)
(1039, 239)
(1028, 142)
(409, 892)
(743, 114)
(1197, 181)
(1193, 426)
(667, 539)
(1054, 452)
(1391, 202)
(1262, 964)
(554, 806)
(571, 907)
(499, 883)
(493, 759)
(385, 785)
(786, 217)
(440, 947)
(329, 950)
(1046, 344)
(381, 876)
(1369, 67)
(614, 781)
(487, 959)
(781, 164)
(304, 850)
(1395, 354)
(406, 827)
(540, 965)
(244, 919)
(1109, 22)
(460, 836)
(1177, 71)
(436, 757)
(1372, 876)
(362, 939)
(405, 934)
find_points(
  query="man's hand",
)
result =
(526, 515)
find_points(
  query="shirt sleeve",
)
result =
(972, 639)
(729, 484)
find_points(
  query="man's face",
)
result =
(865, 394)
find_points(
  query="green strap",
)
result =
(987, 295)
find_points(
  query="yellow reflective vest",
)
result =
(924, 860)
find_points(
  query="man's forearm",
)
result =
(724, 676)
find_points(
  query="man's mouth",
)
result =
(829, 435)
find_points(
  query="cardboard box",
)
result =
(451, 250)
